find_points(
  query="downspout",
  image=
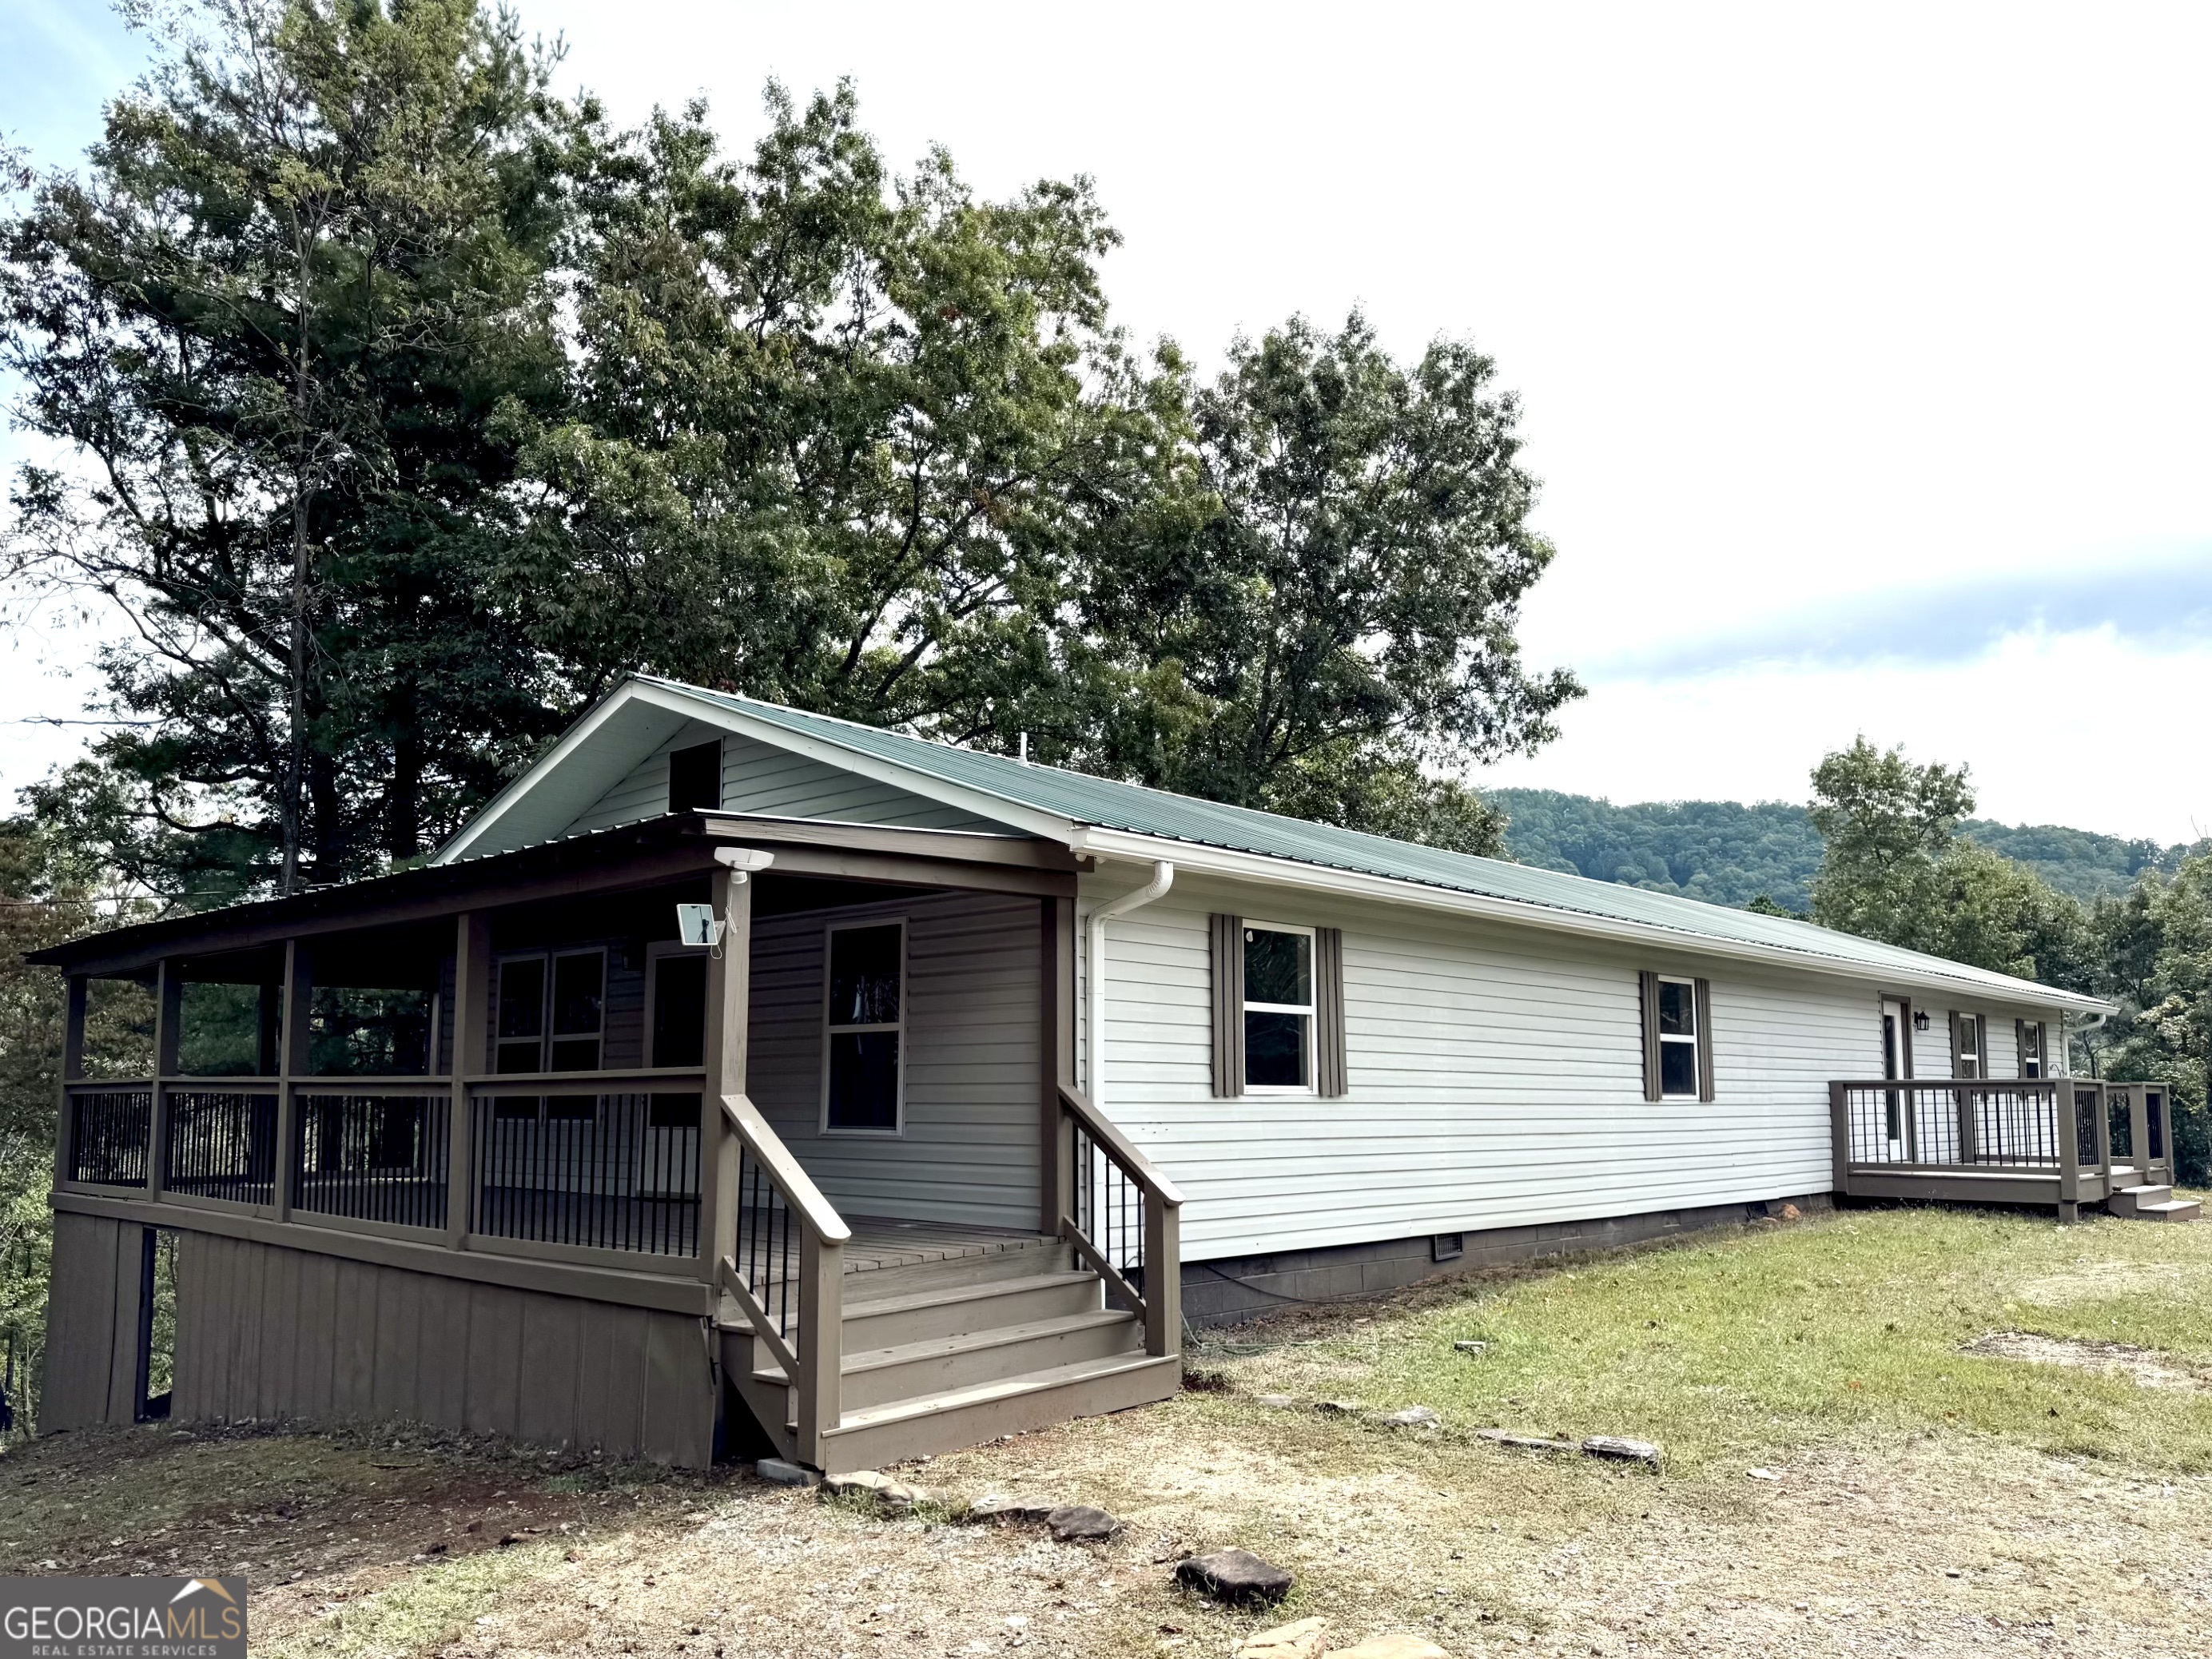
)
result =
(1095, 960)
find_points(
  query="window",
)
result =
(551, 1018)
(1279, 1009)
(676, 995)
(2031, 1047)
(1966, 1046)
(1678, 1039)
(1678, 1036)
(864, 1028)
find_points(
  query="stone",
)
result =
(1236, 1575)
(886, 1490)
(1079, 1524)
(1413, 1417)
(1308, 1638)
(1277, 1402)
(1471, 1347)
(1763, 1474)
(1011, 1512)
(1336, 1407)
(1525, 1442)
(1397, 1645)
(1618, 1447)
(777, 1472)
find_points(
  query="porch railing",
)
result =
(111, 1125)
(220, 1143)
(1124, 1217)
(362, 1151)
(785, 1269)
(598, 1161)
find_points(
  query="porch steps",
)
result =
(2152, 1204)
(945, 1354)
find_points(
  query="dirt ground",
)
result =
(1924, 1536)
(360, 1545)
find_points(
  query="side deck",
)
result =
(2062, 1142)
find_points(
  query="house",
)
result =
(740, 1077)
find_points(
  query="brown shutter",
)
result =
(1228, 934)
(1905, 1035)
(1705, 1039)
(2020, 1047)
(1331, 1074)
(1981, 1045)
(1648, 988)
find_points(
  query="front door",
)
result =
(1893, 1068)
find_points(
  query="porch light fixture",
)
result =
(1919, 1019)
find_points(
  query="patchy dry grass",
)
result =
(1938, 1507)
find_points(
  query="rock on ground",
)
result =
(776, 1471)
(1079, 1524)
(1394, 1647)
(1616, 1446)
(1236, 1575)
(884, 1488)
(1308, 1638)
(1413, 1417)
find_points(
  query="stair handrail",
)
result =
(810, 1305)
(1159, 1304)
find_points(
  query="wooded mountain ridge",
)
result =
(1728, 852)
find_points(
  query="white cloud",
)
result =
(2081, 729)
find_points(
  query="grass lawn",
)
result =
(1759, 1342)
(1924, 1500)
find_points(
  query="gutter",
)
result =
(1095, 961)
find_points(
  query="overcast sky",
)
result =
(1864, 351)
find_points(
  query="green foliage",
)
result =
(1894, 869)
(1719, 851)
(2154, 952)
(1338, 613)
(308, 263)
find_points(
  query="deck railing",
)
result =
(362, 1152)
(794, 1301)
(593, 1162)
(111, 1125)
(1124, 1219)
(220, 1143)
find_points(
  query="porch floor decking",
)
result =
(880, 1242)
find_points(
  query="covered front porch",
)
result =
(515, 1071)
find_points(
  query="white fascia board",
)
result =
(1049, 825)
(589, 722)
(1355, 884)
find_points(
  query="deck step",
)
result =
(873, 1436)
(957, 1310)
(1019, 1261)
(938, 1364)
(2135, 1200)
(2173, 1209)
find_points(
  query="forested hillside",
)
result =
(1731, 853)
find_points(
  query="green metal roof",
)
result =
(1105, 803)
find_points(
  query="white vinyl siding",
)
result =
(969, 1149)
(757, 778)
(1496, 1081)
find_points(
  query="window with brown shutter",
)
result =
(1678, 1054)
(1277, 1009)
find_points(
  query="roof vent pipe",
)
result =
(1095, 960)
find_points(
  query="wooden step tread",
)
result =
(941, 1347)
(1008, 1388)
(959, 1293)
(2174, 1209)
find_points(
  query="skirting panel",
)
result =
(265, 1334)
(1223, 1292)
(92, 1324)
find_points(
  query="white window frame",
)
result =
(828, 932)
(1310, 1009)
(1968, 1021)
(2040, 1059)
(1693, 1042)
(550, 955)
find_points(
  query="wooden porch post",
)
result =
(472, 996)
(1839, 1139)
(2104, 1140)
(1056, 1035)
(1162, 1276)
(168, 1000)
(292, 1035)
(2139, 1132)
(729, 1017)
(73, 1006)
(821, 1342)
(2066, 1112)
